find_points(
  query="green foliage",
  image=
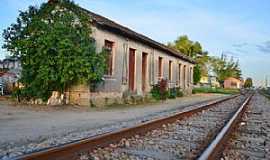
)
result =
(248, 83)
(215, 90)
(224, 68)
(179, 92)
(186, 46)
(203, 62)
(159, 91)
(172, 93)
(155, 92)
(194, 50)
(55, 48)
(196, 74)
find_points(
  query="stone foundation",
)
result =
(98, 99)
(79, 95)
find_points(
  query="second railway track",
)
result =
(251, 139)
(181, 136)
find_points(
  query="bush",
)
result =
(155, 92)
(159, 91)
(172, 93)
(179, 92)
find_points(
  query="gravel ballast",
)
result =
(184, 139)
(251, 140)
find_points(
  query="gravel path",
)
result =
(252, 139)
(24, 131)
(183, 139)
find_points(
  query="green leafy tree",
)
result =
(203, 62)
(184, 45)
(248, 83)
(224, 68)
(194, 50)
(196, 74)
(55, 48)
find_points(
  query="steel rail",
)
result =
(74, 149)
(215, 148)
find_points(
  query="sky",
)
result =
(236, 28)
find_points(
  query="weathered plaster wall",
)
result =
(115, 82)
(116, 85)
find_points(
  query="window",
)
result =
(109, 48)
(170, 70)
(159, 66)
(233, 84)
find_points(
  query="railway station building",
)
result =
(135, 63)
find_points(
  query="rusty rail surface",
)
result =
(74, 149)
(214, 150)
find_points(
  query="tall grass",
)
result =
(215, 90)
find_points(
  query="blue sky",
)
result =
(237, 28)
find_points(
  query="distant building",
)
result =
(10, 71)
(204, 81)
(209, 81)
(213, 81)
(233, 83)
(10, 64)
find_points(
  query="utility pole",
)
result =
(266, 81)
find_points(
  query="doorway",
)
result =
(131, 71)
(144, 71)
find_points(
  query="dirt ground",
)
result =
(20, 122)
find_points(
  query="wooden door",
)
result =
(144, 71)
(160, 67)
(184, 76)
(131, 77)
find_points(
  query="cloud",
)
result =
(240, 45)
(241, 50)
(264, 47)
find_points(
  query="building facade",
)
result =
(10, 70)
(233, 83)
(135, 63)
(10, 64)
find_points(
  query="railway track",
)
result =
(251, 140)
(181, 136)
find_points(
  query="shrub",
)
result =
(179, 92)
(159, 91)
(155, 91)
(172, 93)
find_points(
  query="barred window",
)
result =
(109, 48)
